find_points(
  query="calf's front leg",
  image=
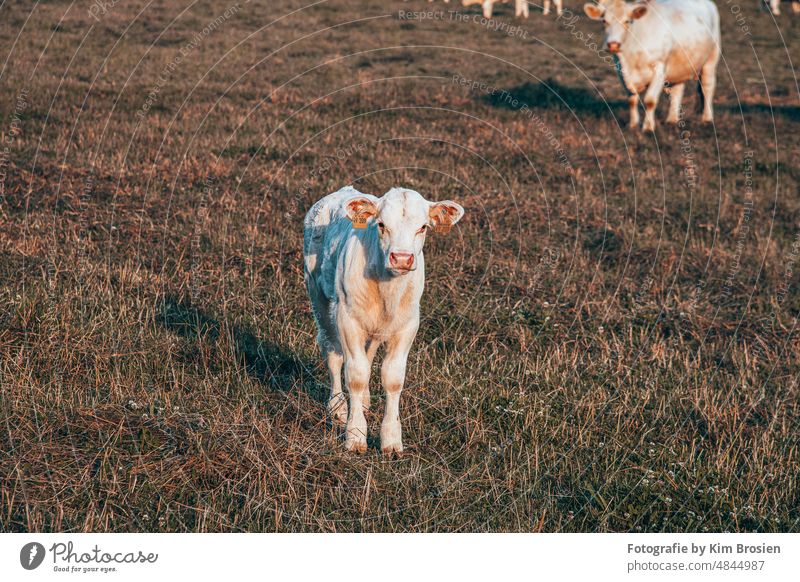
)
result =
(651, 97)
(356, 377)
(393, 375)
(633, 108)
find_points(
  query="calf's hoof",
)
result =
(356, 445)
(391, 438)
(337, 410)
(392, 449)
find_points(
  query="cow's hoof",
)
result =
(392, 449)
(356, 445)
(391, 438)
(648, 127)
(337, 410)
(673, 120)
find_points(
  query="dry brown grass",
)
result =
(611, 348)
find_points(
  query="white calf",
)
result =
(662, 41)
(775, 7)
(365, 271)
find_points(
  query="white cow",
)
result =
(520, 6)
(775, 7)
(662, 41)
(365, 272)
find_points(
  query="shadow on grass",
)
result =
(550, 94)
(266, 361)
(790, 112)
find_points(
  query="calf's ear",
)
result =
(638, 11)
(444, 215)
(359, 210)
(593, 11)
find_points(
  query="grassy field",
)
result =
(609, 336)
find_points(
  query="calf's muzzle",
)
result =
(401, 261)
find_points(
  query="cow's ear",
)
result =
(359, 210)
(593, 11)
(638, 11)
(444, 215)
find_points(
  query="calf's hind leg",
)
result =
(675, 99)
(337, 403)
(708, 83)
(372, 348)
(331, 351)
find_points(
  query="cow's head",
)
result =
(617, 16)
(401, 219)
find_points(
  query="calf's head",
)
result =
(617, 16)
(401, 219)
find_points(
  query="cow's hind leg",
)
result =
(337, 403)
(708, 83)
(331, 351)
(675, 99)
(372, 348)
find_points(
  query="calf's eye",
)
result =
(381, 227)
(422, 229)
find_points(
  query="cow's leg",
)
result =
(331, 349)
(708, 83)
(559, 6)
(775, 5)
(796, 7)
(651, 97)
(633, 108)
(522, 8)
(487, 8)
(393, 375)
(546, 10)
(356, 376)
(675, 99)
(372, 348)
(337, 403)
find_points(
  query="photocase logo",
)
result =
(31, 555)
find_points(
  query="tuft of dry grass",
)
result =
(608, 338)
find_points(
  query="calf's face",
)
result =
(401, 219)
(617, 16)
